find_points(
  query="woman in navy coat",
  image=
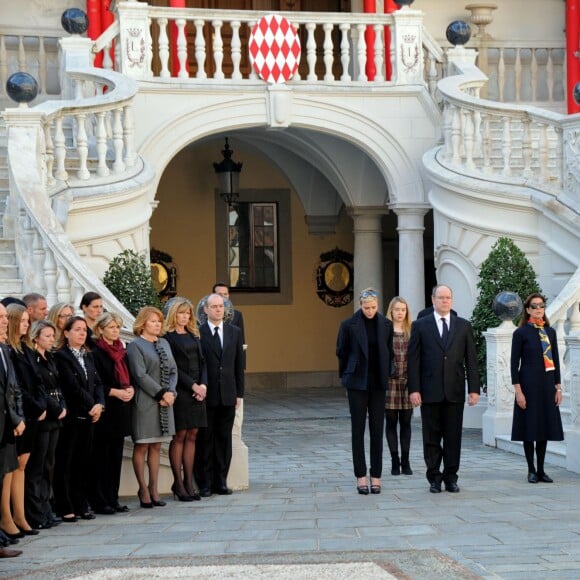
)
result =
(535, 370)
(365, 353)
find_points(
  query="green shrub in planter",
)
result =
(506, 268)
(128, 277)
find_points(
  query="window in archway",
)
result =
(253, 252)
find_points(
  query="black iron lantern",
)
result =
(228, 174)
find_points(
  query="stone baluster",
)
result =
(501, 74)
(543, 152)
(456, 135)
(361, 53)
(573, 388)
(446, 130)
(477, 137)
(527, 147)
(63, 284)
(379, 53)
(218, 49)
(506, 146)
(487, 144)
(118, 164)
(107, 59)
(50, 276)
(77, 291)
(518, 75)
(431, 74)
(497, 419)
(556, 157)
(345, 52)
(82, 146)
(3, 63)
(182, 49)
(102, 168)
(60, 150)
(468, 136)
(49, 156)
(38, 255)
(550, 75)
(311, 51)
(163, 48)
(129, 136)
(236, 50)
(41, 66)
(253, 73)
(200, 50)
(534, 73)
(327, 51)
(21, 55)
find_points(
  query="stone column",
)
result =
(411, 256)
(497, 419)
(135, 40)
(75, 54)
(368, 263)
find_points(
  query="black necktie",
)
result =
(216, 339)
(445, 334)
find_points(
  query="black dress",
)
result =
(189, 413)
(540, 420)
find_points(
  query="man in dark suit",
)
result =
(441, 354)
(10, 422)
(237, 319)
(222, 349)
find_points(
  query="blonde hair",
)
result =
(368, 294)
(406, 320)
(142, 317)
(103, 320)
(38, 326)
(15, 313)
(178, 305)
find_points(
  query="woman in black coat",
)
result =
(189, 409)
(365, 354)
(535, 370)
(41, 464)
(83, 392)
(111, 361)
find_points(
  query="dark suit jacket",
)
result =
(10, 402)
(352, 351)
(430, 310)
(81, 392)
(30, 380)
(225, 375)
(184, 379)
(439, 372)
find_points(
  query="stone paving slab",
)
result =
(302, 507)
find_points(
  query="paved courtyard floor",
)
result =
(302, 518)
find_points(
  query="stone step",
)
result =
(555, 454)
(11, 287)
(8, 272)
(7, 258)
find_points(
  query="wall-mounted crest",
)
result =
(334, 278)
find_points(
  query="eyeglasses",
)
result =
(368, 294)
(65, 315)
(537, 305)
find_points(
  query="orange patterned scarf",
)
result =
(546, 346)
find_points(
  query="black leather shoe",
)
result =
(121, 509)
(532, 477)
(545, 478)
(106, 511)
(205, 492)
(88, 516)
(30, 532)
(452, 487)
(435, 487)
(14, 536)
(223, 490)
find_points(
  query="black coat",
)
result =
(352, 351)
(11, 413)
(540, 420)
(81, 392)
(225, 374)
(116, 420)
(436, 371)
(55, 402)
(30, 381)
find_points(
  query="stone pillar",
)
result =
(411, 256)
(75, 54)
(239, 474)
(408, 47)
(135, 40)
(573, 434)
(497, 419)
(368, 263)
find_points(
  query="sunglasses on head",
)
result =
(368, 294)
(537, 305)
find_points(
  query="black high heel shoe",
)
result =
(144, 504)
(363, 489)
(156, 502)
(176, 496)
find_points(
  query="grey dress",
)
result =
(145, 369)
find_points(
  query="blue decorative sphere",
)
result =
(576, 93)
(507, 305)
(22, 87)
(74, 21)
(458, 32)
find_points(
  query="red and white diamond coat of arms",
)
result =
(274, 49)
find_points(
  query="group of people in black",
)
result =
(71, 392)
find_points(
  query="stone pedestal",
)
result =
(573, 435)
(497, 419)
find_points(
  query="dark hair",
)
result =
(525, 317)
(11, 300)
(219, 284)
(88, 297)
(69, 325)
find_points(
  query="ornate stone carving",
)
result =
(572, 161)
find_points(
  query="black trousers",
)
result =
(402, 417)
(362, 403)
(73, 467)
(107, 463)
(442, 424)
(38, 476)
(213, 449)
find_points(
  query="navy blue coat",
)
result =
(540, 420)
(352, 350)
